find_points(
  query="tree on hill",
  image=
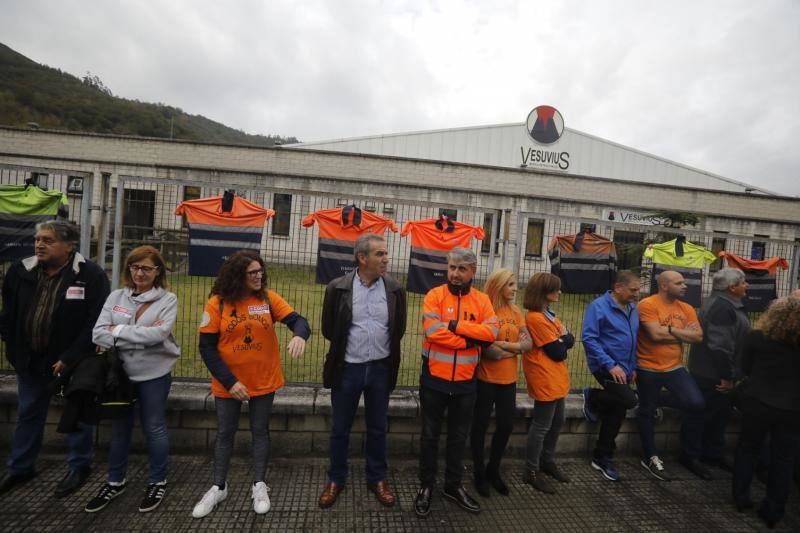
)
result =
(30, 92)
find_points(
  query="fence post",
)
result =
(521, 221)
(117, 232)
(86, 217)
(795, 267)
(102, 226)
(492, 242)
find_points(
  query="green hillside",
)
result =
(30, 92)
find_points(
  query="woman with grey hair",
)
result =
(712, 363)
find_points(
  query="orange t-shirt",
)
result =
(503, 371)
(661, 356)
(247, 341)
(547, 380)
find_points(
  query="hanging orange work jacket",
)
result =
(338, 231)
(431, 239)
(455, 326)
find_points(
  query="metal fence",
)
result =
(141, 211)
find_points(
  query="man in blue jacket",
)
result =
(609, 340)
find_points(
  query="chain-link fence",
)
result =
(141, 211)
(535, 232)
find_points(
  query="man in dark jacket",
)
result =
(364, 318)
(50, 304)
(712, 363)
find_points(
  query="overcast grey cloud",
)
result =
(711, 84)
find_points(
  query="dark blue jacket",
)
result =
(609, 335)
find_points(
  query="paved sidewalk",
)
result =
(589, 503)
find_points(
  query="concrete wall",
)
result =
(301, 424)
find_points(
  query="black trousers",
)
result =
(610, 403)
(459, 409)
(503, 398)
(758, 420)
(703, 432)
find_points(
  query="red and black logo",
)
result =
(545, 124)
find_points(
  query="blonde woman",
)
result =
(497, 381)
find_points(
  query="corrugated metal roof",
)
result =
(508, 145)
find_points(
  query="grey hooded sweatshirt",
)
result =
(147, 347)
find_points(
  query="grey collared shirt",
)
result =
(368, 339)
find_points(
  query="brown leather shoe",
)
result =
(329, 495)
(382, 492)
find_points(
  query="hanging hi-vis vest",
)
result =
(21, 208)
(338, 231)
(218, 227)
(586, 262)
(761, 278)
(684, 257)
(431, 239)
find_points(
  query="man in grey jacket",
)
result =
(712, 363)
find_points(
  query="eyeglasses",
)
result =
(142, 268)
(255, 273)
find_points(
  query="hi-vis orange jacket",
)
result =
(455, 327)
(219, 226)
(431, 239)
(761, 276)
(338, 231)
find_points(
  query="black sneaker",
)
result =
(104, 497)
(655, 466)
(152, 497)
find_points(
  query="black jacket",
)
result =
(73, 318)
(773, 369)
(724, 324)
(337, 316)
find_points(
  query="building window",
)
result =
(282, 205)
(190, 192)
(487, 229)
(630, 247)
(535, 238)
(759, 249)
(452, 214)
(138, 215)
(592, 228)
(717, 246)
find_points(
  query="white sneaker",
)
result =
(209, 500)
(260, 498)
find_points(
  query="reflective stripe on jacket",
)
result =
(451, 357)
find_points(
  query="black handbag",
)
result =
(119, 393)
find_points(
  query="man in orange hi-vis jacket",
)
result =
(458, 320)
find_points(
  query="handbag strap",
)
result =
(142, 309)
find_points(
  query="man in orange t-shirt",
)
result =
(665, 323)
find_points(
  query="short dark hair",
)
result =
(625, 276)
(539, 286)
(363, 246)
(145, 252)
(64, 231)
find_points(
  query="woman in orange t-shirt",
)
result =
(239, 346)
(497, 381)
(547, 377)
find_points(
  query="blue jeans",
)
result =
(152, 400)
(682, 393)
(373, 380)
(33, 401)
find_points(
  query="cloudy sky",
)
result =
(711, 84)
